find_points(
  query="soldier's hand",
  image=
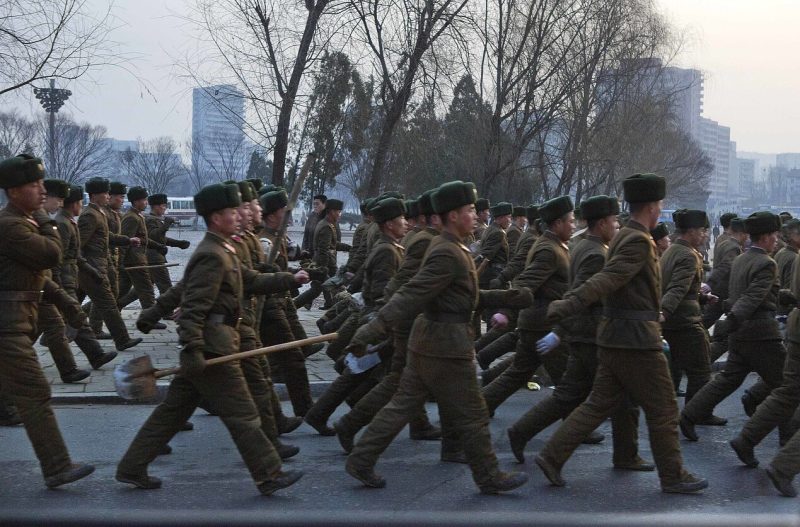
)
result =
(499, 320)
(357, 349)
(192, 360)
(304, 255)
(301, 277)
(148, 318)
(705, 288)
(163, 250)
(547, 343)
(184, 244)
(558, 310)
(135, 242)
(711, 298)
(169, 221)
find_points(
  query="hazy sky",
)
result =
(746, 48)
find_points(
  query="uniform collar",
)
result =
(635, 225)
(552, 236)
(756, 249)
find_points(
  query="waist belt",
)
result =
(631, 314)
(450, 318)
(227, 320)
(20, 296)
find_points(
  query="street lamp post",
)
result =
(52, 99)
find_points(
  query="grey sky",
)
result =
(745, 47)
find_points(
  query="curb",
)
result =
(317, 387)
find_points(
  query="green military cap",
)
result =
(598, 207)
(216, 197)
(412, 208)
(660, 231)
(519, 212)
(58, 188)
(577, 213)
(725, 219)
(762, 223)
(257, 183)
(272, 201)
(425, 204)
(136, 193)
(690, 218)
(643, 188)
(20, 170)
(482, 205)
(392, 194)
(99, 185)
(246, 189)
(157, 199)
(532, 213)
(553, 209)
(364, 206)
(268, 188)
(453, 195)
(75, 194)
(785, 215)
(737, 225)
(791, 225)
(388, 209)
(334, 204)
(115, 188)
(368, 204)
(501, 209)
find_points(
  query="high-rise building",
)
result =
(218, 138)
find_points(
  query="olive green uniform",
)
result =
(756, 344)
(630, 357)
(681, 277)
(28, 247)
(214, 282)
(547, 276)
(725, 252)
(157, 229)
(494, 248)
(136, 283)
(513, 234)
(95, 238)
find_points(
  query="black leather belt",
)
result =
(20, 296)
(631, 314)
(450, 318)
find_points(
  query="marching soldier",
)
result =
(326, 242)
(317, 213)
(415, 219)
(546, 274)
(94, 236)
(661, 236)
(517, 227)
(494, 243)
(630, 356)
(210, 310)
(441, 357)
(482, 210)
(754, 342)
(136, 283)
(158, 223)
(28, 247)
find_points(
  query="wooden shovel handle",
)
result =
(253, 353)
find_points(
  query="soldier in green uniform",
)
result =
(415, 219)
(94, 236)
(158, 223)
(755, 342)
(441, 359)
(136, 283)
(67, 276)
(358, 252)
(494, 243)
(661, 237)
(546, 274)
(28, 247)
(327, 244)
(214, 282)
(630, 359)
(482, 207)
(681, 327)
(580, 332)
(787, 256)
(517, 227)
(368, 406)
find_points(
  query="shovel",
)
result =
(136, 378)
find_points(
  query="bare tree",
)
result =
(81, 151)
(17, 134)
(196, 172)
(224, 157)
(156, 164)
(42, 39)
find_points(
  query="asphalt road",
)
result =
(205, 476)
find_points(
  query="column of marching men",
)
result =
(616, 310)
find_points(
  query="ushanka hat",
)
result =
(501, 209)
(115, 188)
(690, 218)
(257, 183)
(762, 223)
(20, 170)
(98, 185)
(519, 212)
(412, 208)
(75, 194)
(725, 219)
(246, 189)
(136, 193)
(661, 231)
(453, 195)
(482, 205)
(643, 188)
(532, 212)
(598, 207)
(157, 199)
(334, 204)
(57, 188)
(216, 197)
(272, 201)
(737, 225)
(388, 209)
(425, 204)
(553, 209)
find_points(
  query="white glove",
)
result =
(705, 288)
(547, 343)
(499, 320)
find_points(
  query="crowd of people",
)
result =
(614, 307)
